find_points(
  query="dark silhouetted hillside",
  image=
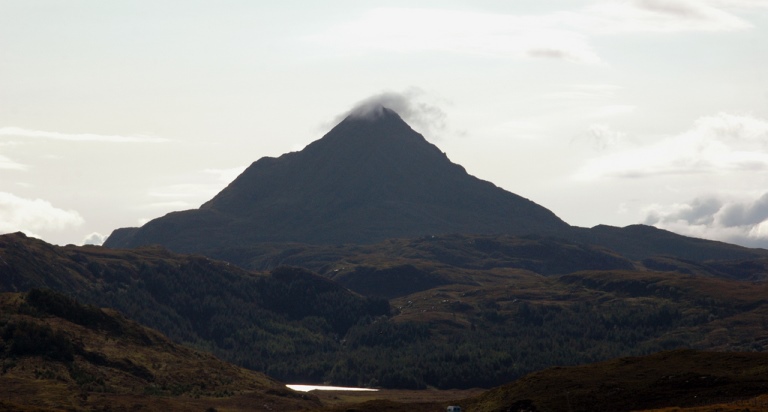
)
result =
(368, 179)
(374, 178)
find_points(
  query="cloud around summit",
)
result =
(413, 105)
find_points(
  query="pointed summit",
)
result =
(371, 111)
(370, 178)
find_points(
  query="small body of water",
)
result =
(307, 388)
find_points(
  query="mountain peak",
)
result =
(372, 111)
(365, 131)
(370, 178)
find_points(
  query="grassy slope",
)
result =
(667, 379)
(244, 317)
(111, 362)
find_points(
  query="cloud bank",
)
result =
(743, 222)
(724, 152)
(34, 215)
(95, 238)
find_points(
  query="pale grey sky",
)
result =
(615, 112)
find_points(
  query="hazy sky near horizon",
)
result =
(613, 112)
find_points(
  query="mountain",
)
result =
(58, 354)
(370, 178)
(373, 178)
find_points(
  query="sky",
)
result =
(614, 112)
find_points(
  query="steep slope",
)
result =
(369, 179)
(57, 354)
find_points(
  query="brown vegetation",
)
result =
(93, 359)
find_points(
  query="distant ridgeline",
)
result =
(373, 178)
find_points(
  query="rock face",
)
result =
(370, 178)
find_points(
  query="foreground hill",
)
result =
(670, 381)
(285, 323)
(707, 381)
(57, 354)
(463, 311)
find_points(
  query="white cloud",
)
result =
(9, 164)
(716, 144)
(33, 215)
(413, 105)
(95, 238)
(78, 137)
(737, 221)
